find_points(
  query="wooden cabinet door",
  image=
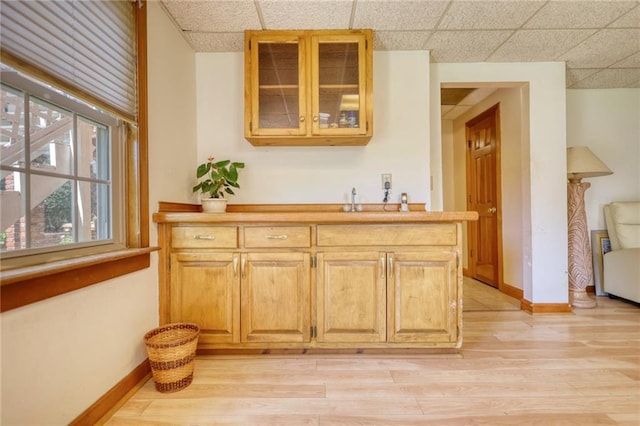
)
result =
(351, 299)
(205, 290)
(275, 295)
(422, 293)
(276, 73)
(339, 72)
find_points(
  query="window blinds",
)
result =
(89, 45)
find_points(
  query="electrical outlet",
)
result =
(386, 179)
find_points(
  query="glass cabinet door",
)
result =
(338, 84)
(278, 95)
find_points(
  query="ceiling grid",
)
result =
(599, 40)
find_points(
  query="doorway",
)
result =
(482, 134)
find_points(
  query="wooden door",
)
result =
(351, 297)
(205, 290)
(422, 293)
(275, 304)
(483, 196)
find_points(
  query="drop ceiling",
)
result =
(598, 40)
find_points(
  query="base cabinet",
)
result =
(299, 286)
(351, 297)
(275, 293)
(205, 291)
(422, 304)
(399, 297)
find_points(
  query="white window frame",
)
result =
(46, 94)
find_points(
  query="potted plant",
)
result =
(216, 179)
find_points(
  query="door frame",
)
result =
(472, 226)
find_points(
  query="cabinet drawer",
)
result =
(387, 235)
(277, 236)
(204, 237)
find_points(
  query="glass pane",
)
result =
(278, 81)
(51, 211)
(12, 230)
(94, 221)
(338, 78)
(93, 150)
(50, 138)
(12, 130)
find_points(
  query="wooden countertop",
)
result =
(321, 217)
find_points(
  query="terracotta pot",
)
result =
(214, 205)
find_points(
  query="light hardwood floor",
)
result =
(581, 368)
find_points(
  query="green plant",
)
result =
(220, 177)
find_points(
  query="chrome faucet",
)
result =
(353, 199)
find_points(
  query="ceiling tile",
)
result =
(399, 40)
(579, 14)
(604, 48)
(214, 16)
(538, 45)
(575, 75)
(464, 46)
(398, 15)
(632, 61)
(629, 20)
(476, 15)
(305, 15)
(216, 42)
(610, 79)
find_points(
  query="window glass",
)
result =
(63, 197)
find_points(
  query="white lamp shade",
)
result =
(582, 163)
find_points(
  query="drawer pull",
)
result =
(277, 237)
(382, 264)
(204, 237)
(390, 265)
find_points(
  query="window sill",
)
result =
(22, 286)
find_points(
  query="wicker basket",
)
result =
(172, 351)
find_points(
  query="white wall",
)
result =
(400, 144)
(608, 122)
(61, 355)
(544, 271)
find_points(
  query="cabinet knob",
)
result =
(315, 118)
(302, 118)
(492, 210)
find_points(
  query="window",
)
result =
(59, 185)
(73, 146)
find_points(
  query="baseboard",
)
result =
(545, 308)
(115, 397)
(512, 291)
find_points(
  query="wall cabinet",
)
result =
(260, 286)
(308, 87)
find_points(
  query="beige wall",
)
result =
(323, 174)
(608, 122)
